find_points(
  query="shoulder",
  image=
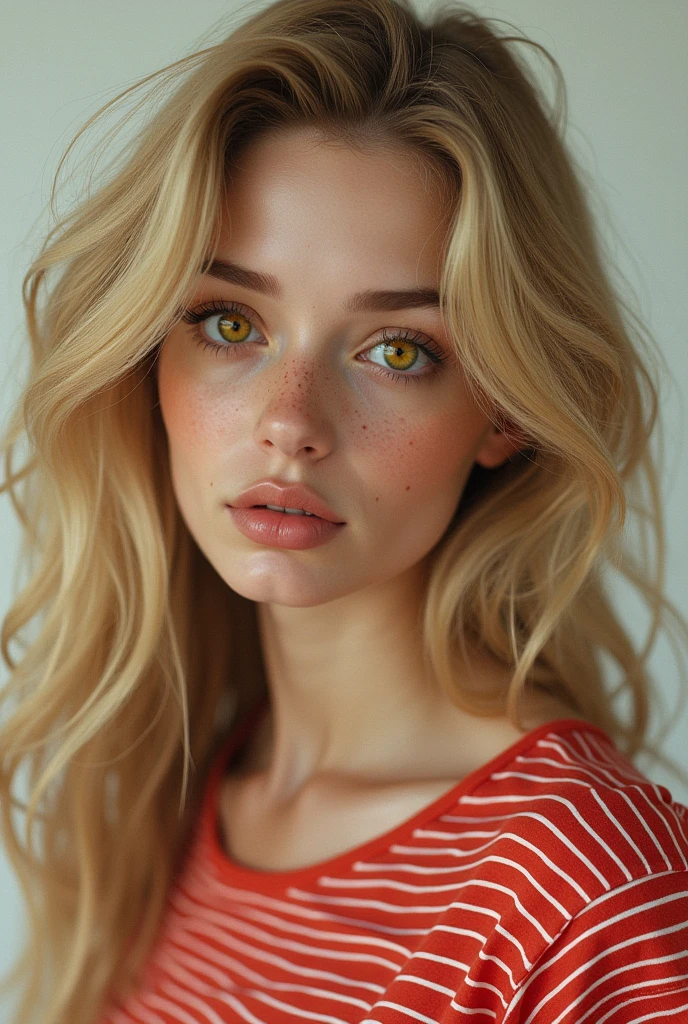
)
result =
(574, 883)
(624, 956)
(583, 802)
(589, 867)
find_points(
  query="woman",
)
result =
(335, 418)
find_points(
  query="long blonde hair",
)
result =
(142, 657)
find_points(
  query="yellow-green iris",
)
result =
(234, 328)
(404, 351)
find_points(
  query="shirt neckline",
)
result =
(234, 873)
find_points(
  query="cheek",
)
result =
(192, 419)
(428, 456)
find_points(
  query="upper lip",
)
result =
(286, 495)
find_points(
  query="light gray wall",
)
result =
(625, 69)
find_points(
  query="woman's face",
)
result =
(309, 392)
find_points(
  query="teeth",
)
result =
(291, 511)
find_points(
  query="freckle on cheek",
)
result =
(428, 459)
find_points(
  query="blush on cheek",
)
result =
(424, 460)
(185, 414)
(176, 411)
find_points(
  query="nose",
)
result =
(297, 417)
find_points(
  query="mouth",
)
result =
(310, 515)
(271, 527)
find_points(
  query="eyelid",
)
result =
(435, 356)
(198, 312)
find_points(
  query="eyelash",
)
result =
(197, 315)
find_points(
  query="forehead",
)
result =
(295, 200)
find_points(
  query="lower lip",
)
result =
(282, 530)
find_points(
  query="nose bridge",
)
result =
(300, 373)
(297, 406)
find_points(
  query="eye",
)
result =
(220, 325)
(225, 327)
(403, 351)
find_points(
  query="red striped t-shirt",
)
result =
(549, 886)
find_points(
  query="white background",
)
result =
(627, 80)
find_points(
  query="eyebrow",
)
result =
(387, 300)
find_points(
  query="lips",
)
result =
(291, 511)
(286, 495)
(279, 530)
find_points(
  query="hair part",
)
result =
(143, 656)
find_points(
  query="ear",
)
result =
(500, 443)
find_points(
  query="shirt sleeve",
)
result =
(623, 959)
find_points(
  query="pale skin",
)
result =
(358, 738)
